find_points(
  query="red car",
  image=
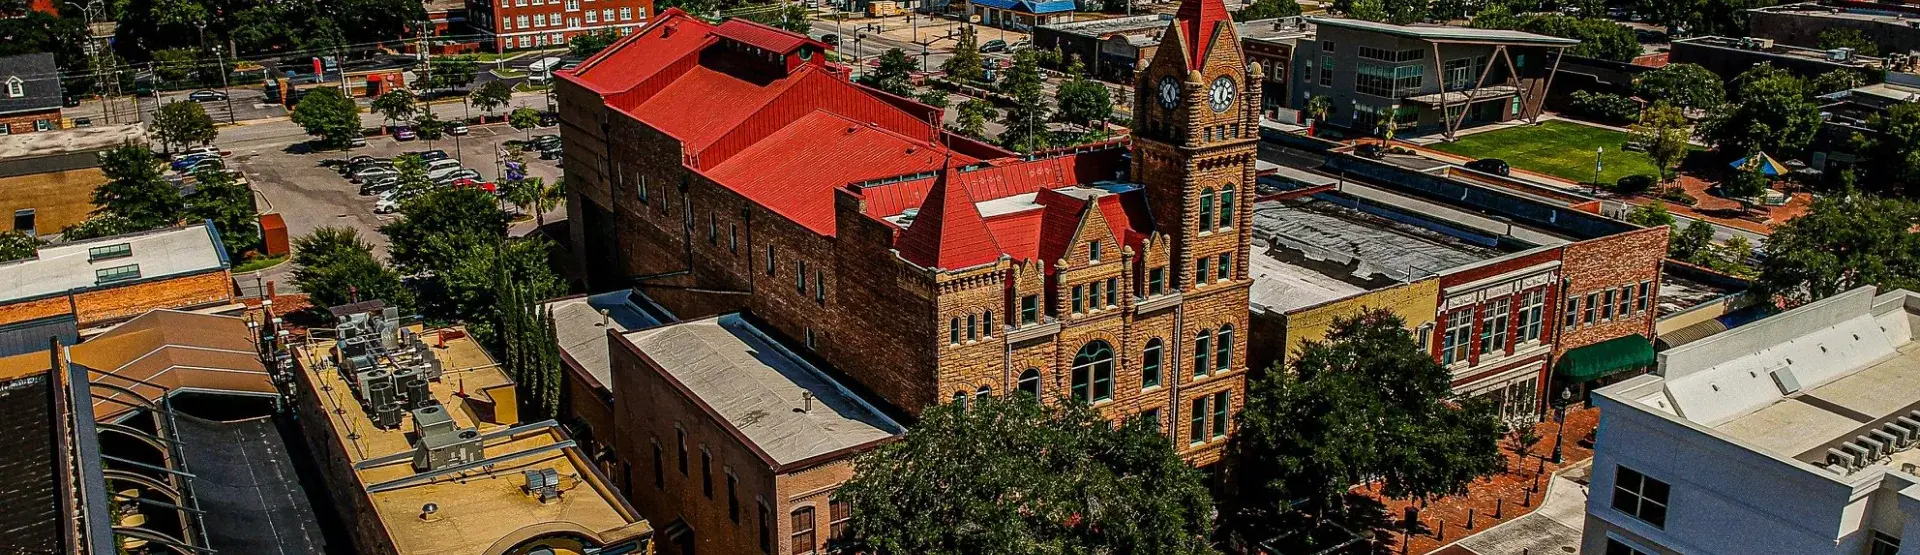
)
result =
(482, 185)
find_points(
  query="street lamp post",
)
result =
(1597, 164)
(1560, 418)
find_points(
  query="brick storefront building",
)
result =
(69, 286)
(503, 25)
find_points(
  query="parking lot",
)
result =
(310, 195)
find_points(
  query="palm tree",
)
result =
(1317, 109)
(536, 194)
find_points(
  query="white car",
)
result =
(458, 129)
(199, 151)
(437, 174)
(385, 206)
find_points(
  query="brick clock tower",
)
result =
(1196, 133)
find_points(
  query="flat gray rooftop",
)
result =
(1293, 238)
(778, 402)
(581, 326)
(1101, 27)
(64, 267)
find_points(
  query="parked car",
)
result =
(1494, 166)
(550, 153)
(214, 150)
(995, 45)
(181, 163)
(204, 164)
(385, 206)
(357, 142)
(375, 172)
(457, 129)
(451, 178)
(543, 142)
(431, 155)
(404, 134)
(830, 38)
(356, 167)
(380, 185)
(475, 182)
(207, 96)
(441, 165)
(1370, 150)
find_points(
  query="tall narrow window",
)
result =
(1573, 313)
(1157, 281)
(659, 466)
(1202, 353)
(1029, 309)
(766, 528)
(1030, 382)
(1223, 349)
(770, 260)
(839, 514)
(1221, 402)
(802, 526)
(1225, 266)
(1606, 308)
(1206, 209)
(1093, 372)
(1093, 296)
(1079, 299)
(1226, 208)
(1150, 364)
(953, 331)
(819, 286)
(1197, 421)
(733, 238)
(681, 436)
(713, 228)
(1626, 300)
(733, 498)
(1593, 307)
(1204, 272)
(1093, 250)
(1533, 308)
(986, 324)
(1113, 292)
(800, 275)
(1493, 329)
(1455, 341)
(972, 327)
(706, 472)
(1646, 289)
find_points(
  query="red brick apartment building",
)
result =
(504, 25)
(730, 167)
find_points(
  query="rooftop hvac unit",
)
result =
(431, 369)
(1909, 423)
(1903, 435)
(543, 483)
(1842, 459)
(1891, 441)
(402, 378)
(1763, 44)
(1784, 379)
(380, 394)
(432, 419)
(1860, 454)
(1875, 449)
(445, 449)
(388, 328)
(388, 415)
(1840, 54)
(418, 394)
(366, 378)
(362, 363)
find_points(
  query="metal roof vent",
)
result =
(543, 483)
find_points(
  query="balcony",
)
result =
(1143, 305)
(1048, 326)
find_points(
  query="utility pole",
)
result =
(220, 63)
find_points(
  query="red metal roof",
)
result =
(794, 171)
(948, 232)
(628, 62)
(704, 104)
(762, 36)
(1199, 20)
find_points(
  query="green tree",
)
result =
(525, 119)
(435, 228)
(1367, 403)
(895, 74)
(219, 197)
(429, 126)
(1268, 9)
(474, 286)
(973, 117)
(492, 96)
(328, 114)
(1890, 151)
(174, 65)
(933, 97)
(99, 225)
(1652, 214)
(1844, 242)
(1599, 38)
(516, 325)
(1496, 16)
(1846, 37)
(966, 60)
(413, 180)
(181, 123)
(1772, 114)
(1746, 183)
(334, 266)
(1319, 107)
(396, 105)
(136, 188)
(15, 245)
(1835, 81)
(585, 45)
(1685, 85)
(536, 195)
(1081, 100)
(451, 72)
(1369, 10)
(1026, 119)
(1027, 478)
(1691, 241)
(1663, 132)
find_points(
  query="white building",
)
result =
(1791, 435)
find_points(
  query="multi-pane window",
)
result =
(592, 17)
(573, 5)
(1029, 309)
(1079, 299)
(1640, 497)
(839, 513)
(1093, 372)
(118, 250)
(766, 525)
(953, 331)
(1226, 207)
(1157, 281)
(1384, 55)
(1221, 402)
(1197, 421)
(1493, 328)
(1223, 349)
(626, 14)
(1593, 307)
(1646, 290)
(1573, 313)
(1113, 292)
(986, 324)
(1463, 73)
(1616, 547)
(802, 526)
(607, 14)
(1388, 80)
(800, 275)
(1093, 250)
(1030, 382)
(973, 329)
(1883, 544)
(1150, 360)
(733, 498)
(1202, 353)
(1093, 297)
(540, 20)
(1606, 307)
(1326, 70)
(1206, 209)
(1204, 271)
(116, 273)
(1533, 307)
(1225, 267)
(1456, 338)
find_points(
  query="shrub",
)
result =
(1678, 195)
(1604, 107)
(1634, 184)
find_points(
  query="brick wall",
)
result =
(106, 305)
(26, 122)
(1609, 263)
(350, 502)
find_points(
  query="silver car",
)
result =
(375, 172)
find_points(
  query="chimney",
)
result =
(806, 397)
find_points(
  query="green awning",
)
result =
(1606, 358)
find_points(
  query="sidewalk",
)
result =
(1497, 499)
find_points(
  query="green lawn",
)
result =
(1558, 148)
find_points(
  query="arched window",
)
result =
(1093, 372)
(1226, 207)
(1030, 382)
(1202, 352)
(984, 391)
(1150, 364)
(960, 398)
(1223, 349)
(953, 331)
(1206, 209)
(986, 324)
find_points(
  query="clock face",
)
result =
(1169, 92)
(1220, 96)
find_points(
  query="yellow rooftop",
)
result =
(524, 487)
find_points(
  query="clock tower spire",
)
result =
(1196, 133)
